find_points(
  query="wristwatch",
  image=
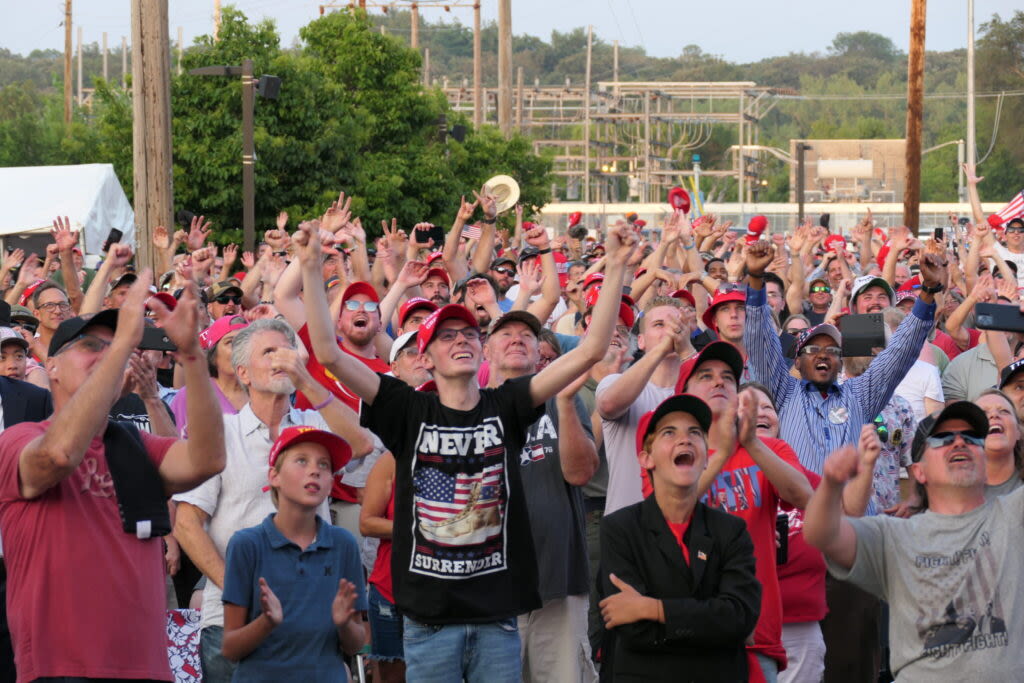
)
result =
(933, 290)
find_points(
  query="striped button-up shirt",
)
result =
(815, 425)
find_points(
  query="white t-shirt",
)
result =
(560, 308)
(620, 444)
(922, 381)
(1018, 259)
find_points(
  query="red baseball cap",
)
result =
(29, 291)
(168, 300)
(562, 267)
(995, 221)
(441, 273)
(716, 350)
(215, 332)
(428, 329)
(755, 228)
(574, 218)
(625, 306)
(685, 295)
(721, 297)
(414, 304)
(434, 256)
(834, 243)
(593, 278)
(679, 199)
(359, 287)
(336, 446)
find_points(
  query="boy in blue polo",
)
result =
(293, 586)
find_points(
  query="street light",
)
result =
(268, 87)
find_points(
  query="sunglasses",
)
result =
(943, 439)
(368, 306)
(229, 299)
(504, 271)
(1009, 230)
(814, 349)
(820, 289)
(881, 429)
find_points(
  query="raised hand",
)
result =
(181, 324)
(619, 243)
(307, 239)
(14, 259)
(481, 292)
(161, 239)
(343, 606)
(198, 232)
(466, 209)
(338, 214)
(65, 238)
(131, 315)
(278, 239)
(248, 260)
(933, 269)
(142, 376)
(746, 415)
(270, 605)
(120, 255)
(970, 174)
(292, 364)
(842, 465)
(413, 274)
(487, 202)
(870, 445)
(230, 254)
(538, 237)
(530, 275)
(203, 259)
(282, 222)
(415, 239)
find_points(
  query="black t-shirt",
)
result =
(556, 510)
(814, 318)
(462, 550)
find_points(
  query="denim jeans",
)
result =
(216, 668)
(451, 653)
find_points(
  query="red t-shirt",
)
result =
(802, 577)
(946, 343)
(84, 598)
(679, 530)
(380, 577)
(330, 382)
(742, 489)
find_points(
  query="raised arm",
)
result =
(66, 240)
(482, 255)
(456, 265)
(857, 494)
(824, 525)
(983, 291)
(576, 450)
(759, 337)
(971, 176)
(286, 292)
(550, 291)
(118, 256)
(790, 482)
(616, 398)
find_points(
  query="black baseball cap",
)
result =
(678, 403)
(500, 260)
(528, 319)
(1009, 371)
(70, 329)
(961, 410)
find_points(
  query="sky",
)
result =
(738, 30)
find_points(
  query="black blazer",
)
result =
(711, 606)
(23, 402)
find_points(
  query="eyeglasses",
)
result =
(821, 289)
(1009, 230)
(229, 299)
(622, 330)
(28, 327)
(408, 352)
(881, 429)
(55, 306)
(814, 349)
(368, 306)
(449, 334)
(89, 342)
(943, 439)
(795, 330)
(504, 271)
(544, 360)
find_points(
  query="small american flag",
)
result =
(1014, 209)
(471, 232)
(441, 496)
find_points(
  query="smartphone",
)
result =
(862, 334)
(824, 220)
(154, 339)
(1004, 317)
(113, 237)
(938, 234)
(782, 532)
(435, 232)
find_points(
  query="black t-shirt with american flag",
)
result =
(462, 550)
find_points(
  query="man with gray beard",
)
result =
(269, 367)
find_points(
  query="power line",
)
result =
(903, 96)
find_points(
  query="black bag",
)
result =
(139, 489)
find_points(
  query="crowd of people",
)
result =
(644, 454)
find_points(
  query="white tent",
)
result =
(89, 195)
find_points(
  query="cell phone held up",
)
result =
(113, 237)
(154, 339)
(1002, 317)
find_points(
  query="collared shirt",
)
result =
(815, 425)
(235, 499)
(969, 374)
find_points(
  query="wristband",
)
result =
(326, 402)
(489, 221)
(544, 251)
(691, 245)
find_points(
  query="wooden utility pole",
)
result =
(67, 65)
(478, 70)
(505, 66)
(615, 65)
(586, 118)
(151, 129)
(124, 63)
(519, 100)
(414, 39)
(106, 55)
(915, 113)
(181, 47)
(80, 98)
(248, 156)
(216, 19)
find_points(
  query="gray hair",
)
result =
(241, 348)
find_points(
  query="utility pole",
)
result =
(181, 47)
(801, 151)
(216, 18)
(586, 118)
(80, 98)
(106, 73)
(519, 100)
(414, 40)
(915, 113)
(426, 67)
(505, 66)
(151, 129)
(124, 63)
(248, 157)
(972, 149)
(67, 65)
(615, 65)
(478, 69)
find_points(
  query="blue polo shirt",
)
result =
(304, 646)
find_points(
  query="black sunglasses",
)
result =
(229, 299)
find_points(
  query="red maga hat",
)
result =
(574, 218)
(679, 199)
(428, 329)
(359, 287)
(716, 350)
(834, 243)
(414, 304)
(336, 446)
(722, 296)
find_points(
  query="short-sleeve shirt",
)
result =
(462, 550)
(953, 584)
(84, 598)
(304, 646)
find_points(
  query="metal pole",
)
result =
(972, 148)
(414, 40)
(645, 196)
(801, 149)
(216, 19)
(67, 65)
(961, 157)
(478, 71)
(586, 119)
(505, 66)
(741, 181)
(106, 73)
(248, 159)
(181, 47)
(519, 99)
(80, 99)
(124, 63)
(615, 65)
(426, 67)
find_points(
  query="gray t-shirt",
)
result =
(1009, 486)
(954, 587)
(555, 507)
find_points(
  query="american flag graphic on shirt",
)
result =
(442, 496)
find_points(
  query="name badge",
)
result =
(838, 415)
